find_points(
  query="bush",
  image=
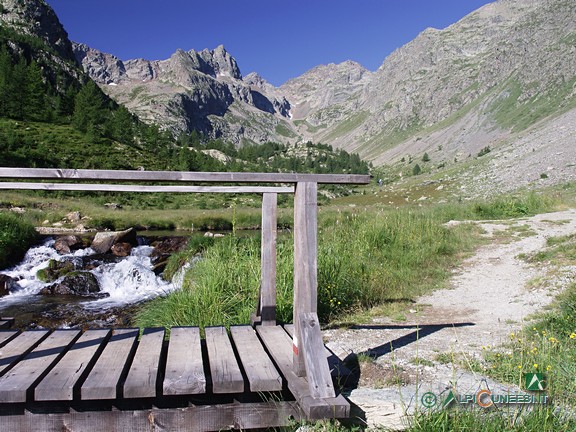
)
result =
(484, 151)
(16, 237)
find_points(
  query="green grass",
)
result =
(347, 125)
(16, 236)
(538, 420)
(381, 258)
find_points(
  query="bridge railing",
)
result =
(308, 347)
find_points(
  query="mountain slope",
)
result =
(453, 92)
(202, 91)
(498, 70)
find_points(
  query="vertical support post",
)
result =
(305, 262)
(268, 259)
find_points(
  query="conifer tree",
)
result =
(89, 110)
(35, 95)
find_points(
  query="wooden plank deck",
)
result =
(58, 378)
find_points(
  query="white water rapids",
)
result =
(129, 281)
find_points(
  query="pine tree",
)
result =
(35, 95)
(16, 102)
(5, 77)
(89, 110)
(123, 126)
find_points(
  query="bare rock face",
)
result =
(103, 68)
(103, 241)
(202, 91)
(36, 18)
(450, 92)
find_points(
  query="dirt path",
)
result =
(494, 292)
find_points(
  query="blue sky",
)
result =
(278, 39)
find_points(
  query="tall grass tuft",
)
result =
(363, 260)
(537, 420)
(16, 236)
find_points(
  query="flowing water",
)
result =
(125, 282)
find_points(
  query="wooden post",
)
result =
(305, 262)
(268, 259)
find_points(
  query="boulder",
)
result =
(66, 244)
(163, 248)
(166, 246)
(74, 216)
(103, 241)
(76, 283)
(55, 270)
(121, 249)
(7, 284)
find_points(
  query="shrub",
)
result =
(484, 151)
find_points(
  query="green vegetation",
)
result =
(348, 125)
(511, 112)
(365, 259)
(16, 236)
(537, 420)
(484, 151)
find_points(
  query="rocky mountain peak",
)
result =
(35, 18)
(222, 62)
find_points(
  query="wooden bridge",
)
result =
(250, 376)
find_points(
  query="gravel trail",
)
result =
(492, 294)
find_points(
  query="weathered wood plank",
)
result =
(143, 373)
(317, 372)
(14, 385)
(261, 373)
(305, 261)
(184, 366)
(5, 336)
(279, 345)
(139, 188)
(59, 383)
(13, 350)
(227, 177)
(102, 382)
(224, 369)
(268, 259)
(237, 416)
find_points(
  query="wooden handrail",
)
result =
(187, 176)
